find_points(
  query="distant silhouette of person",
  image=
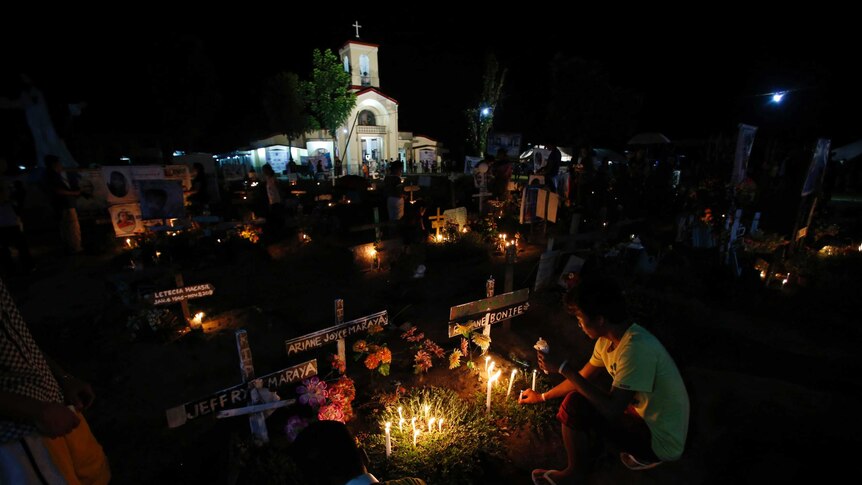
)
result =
(197, 195)
(552, 167)
(11, 229)
(118, 185)
(63, 191)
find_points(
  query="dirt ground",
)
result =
(772, 374)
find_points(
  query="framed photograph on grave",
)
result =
(126, 219)
(118, 182)
(161, 199)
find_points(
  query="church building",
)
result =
(369, 135)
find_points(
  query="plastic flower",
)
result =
(385, 355)
(360, 346)
(294, 425)
(412, 335)
(462, 330)
(312, 392)
(423, 362)
(430, 346)
(342, 391)
(483, 341)
(372, 361)
(455, 359)
(331, 412)
(465, 346)
(338, 365)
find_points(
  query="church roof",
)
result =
(417, 135)
(369, 44)
(367, 90)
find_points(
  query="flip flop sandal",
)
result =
(633, 463)
(544, 478)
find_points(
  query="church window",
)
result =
(364, 69)
(366, 118)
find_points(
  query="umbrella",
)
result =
(649, 139)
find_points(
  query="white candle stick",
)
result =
(490, 385)
(415, 434)
(431, 424)
(400, 425)
(440, 425)
(388, 440)
(511, 380)
(490, 370)
(399, 413)
(413, 423)
(427, 409)
(534, 379)
(487, 360)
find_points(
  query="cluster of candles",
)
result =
(435, 423)
(425, 420)
(494, 376)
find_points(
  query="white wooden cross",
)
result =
(247, 393)
(357, 26)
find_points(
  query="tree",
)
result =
(284, 106)
(481, 118)
(328, 93)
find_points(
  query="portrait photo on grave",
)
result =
(161, 199)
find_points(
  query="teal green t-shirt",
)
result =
(641, 364)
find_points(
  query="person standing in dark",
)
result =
(337, 167)
(11, 229)
(502, 175)
(63, 191)
(197, 195)
(394, 193)
(552, 167)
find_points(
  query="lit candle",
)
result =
(413, 423)
(534, 379)
(388, 440)
(491, 369)
(427, 409)
(400, 415)
(487, 361)
(511, 380)
(415, 434)
(440, 425)
(431, 424)
(490, 385)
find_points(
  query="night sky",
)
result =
(692, 79)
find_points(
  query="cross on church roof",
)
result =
(357, 26)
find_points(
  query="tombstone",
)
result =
(457, 216)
